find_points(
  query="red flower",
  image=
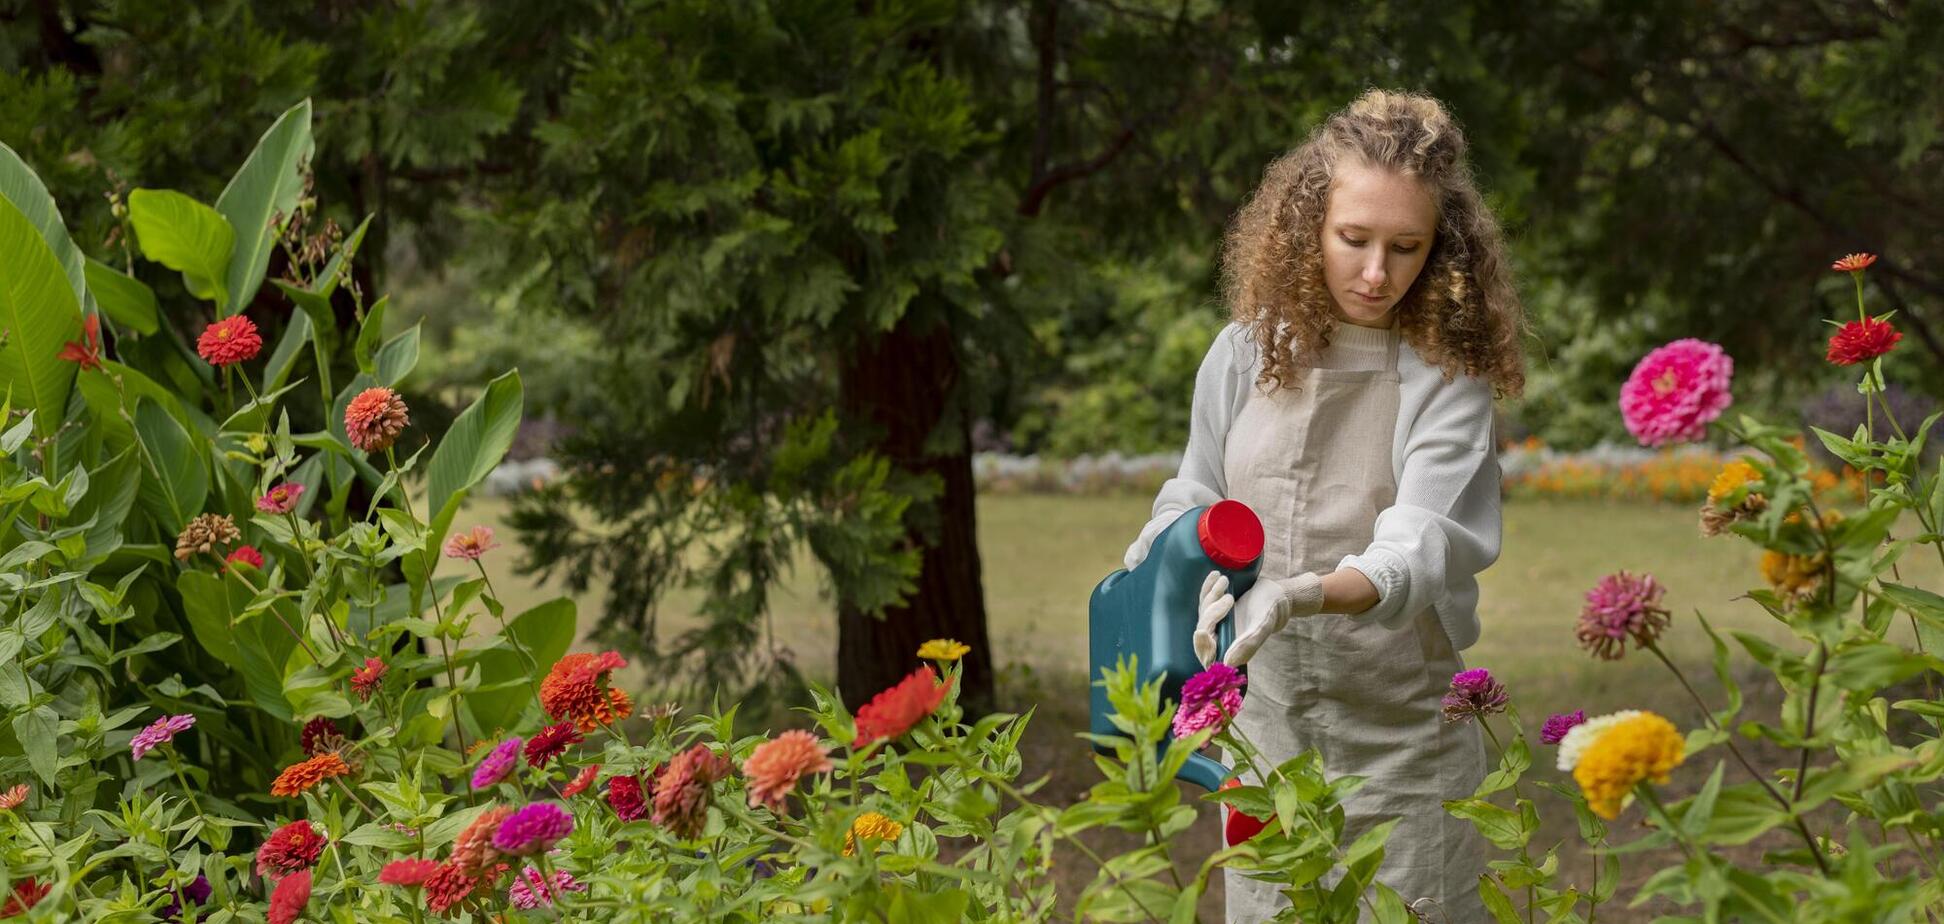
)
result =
(894, 711)
(409, 873)
(248, 555)
(292, 848)
(316, 730)
(581, 782)
(374, 419)
(26, 894)
(1861, 341)
(88, 351)
(292, 894)
(551, 742)
(1854, 263)
(446, 888)
(624, 796)
(365, 680)
(231, 340)
(682, 790)
(576, 689)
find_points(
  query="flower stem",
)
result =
(1646, 793)
(175, 764)
(354, 797)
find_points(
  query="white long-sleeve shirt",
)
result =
(1444, 527)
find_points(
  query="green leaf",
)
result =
(269, 182)
(22, 187)
(126, 300)
(38, 314)
(1496, 901)
(296, 334)
(475, 443)
(397, 357)
(187, 236)
(370, 335)
(36, 730)
(546, 631)
(1502, 826)
(176, 486)
(1869, 666)
(909, 906)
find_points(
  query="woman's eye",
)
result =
(1410, 249)
(1352, 242)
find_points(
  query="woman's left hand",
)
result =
(1215, 604)
(1269, 606)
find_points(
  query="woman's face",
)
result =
(1376, 237)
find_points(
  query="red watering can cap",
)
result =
(1230, 534)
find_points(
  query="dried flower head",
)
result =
(1620, 606)
(205, 533)
(776, 765)
(374, 419)
(1473, 694)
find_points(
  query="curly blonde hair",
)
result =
(1462, 314)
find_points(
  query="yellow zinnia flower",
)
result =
(1643, 748)
(943, 649)
(1733, 477)
(871, 825)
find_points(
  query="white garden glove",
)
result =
(1215, 604)
(1269, 606)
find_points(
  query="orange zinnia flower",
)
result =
(577, 689)
(301, 776)
(473, 850)
(13, 798)
(1853, 263)
(894, 711)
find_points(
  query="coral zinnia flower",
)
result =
(1643, 748)
(281, 499)
(551, 742)
(365, 680)
(682, 790)
(576, 689)
(471, 544)
(373, 419)
(408, 872)
(14, 798)
(1473, 694)
(248, 555)
(1675, 391)
(530, 890)
(943, 649)
(301, 776)
(446, 888)
(1862, 341)
(868, 827)
(532, 829)
(625, 797)
(26, 894)
(774, 767)
(1558, 725)
(1854, 263)
(293, 847)
(160, 733)
(293, 893)
(582, 781)
(87, 353)
(1619, 606)
(205, 533)
(1209, 699)
(473, 850)
(893, 712)
(498, 764)
(231, 340)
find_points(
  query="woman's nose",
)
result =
(1373, 274)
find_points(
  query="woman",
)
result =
(1349, 403)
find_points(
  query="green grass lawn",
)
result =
(1042, 556)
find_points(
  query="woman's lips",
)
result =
(1372, 299)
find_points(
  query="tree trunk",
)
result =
(904, 384)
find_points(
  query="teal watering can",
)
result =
(1149, 613)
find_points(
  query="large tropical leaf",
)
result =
(176, 482)
(38, 313)
(21, 186)
(477, 440)
(268, 183)
(123, 298)
(187, 236)
(546, 631)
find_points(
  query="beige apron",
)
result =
(1315, 464)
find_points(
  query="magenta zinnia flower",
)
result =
(498, 764)
(1558, 725)
(281, 499)
(530, 889)
(1675, 391)
(162, 732)
(1621, 605)
(1209, 700)
(532, 829)
(1473, 693)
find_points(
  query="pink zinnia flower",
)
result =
(160, 733)
(365, 680)
(281, 499)
(1675, 391)
(552, 742)
(775, 766)
(248, 555)
(532, 829)
(471, 544)
(1622, 605)
(293, 893)
(1209, 700)
(530, 889)
(498, 764)
(373, 419)
(1854, 263)
(1473, 693)
(408, 872)
(229, 341)
(1862, 341)
(289, 849)
(682, 790)
(1558, 725)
